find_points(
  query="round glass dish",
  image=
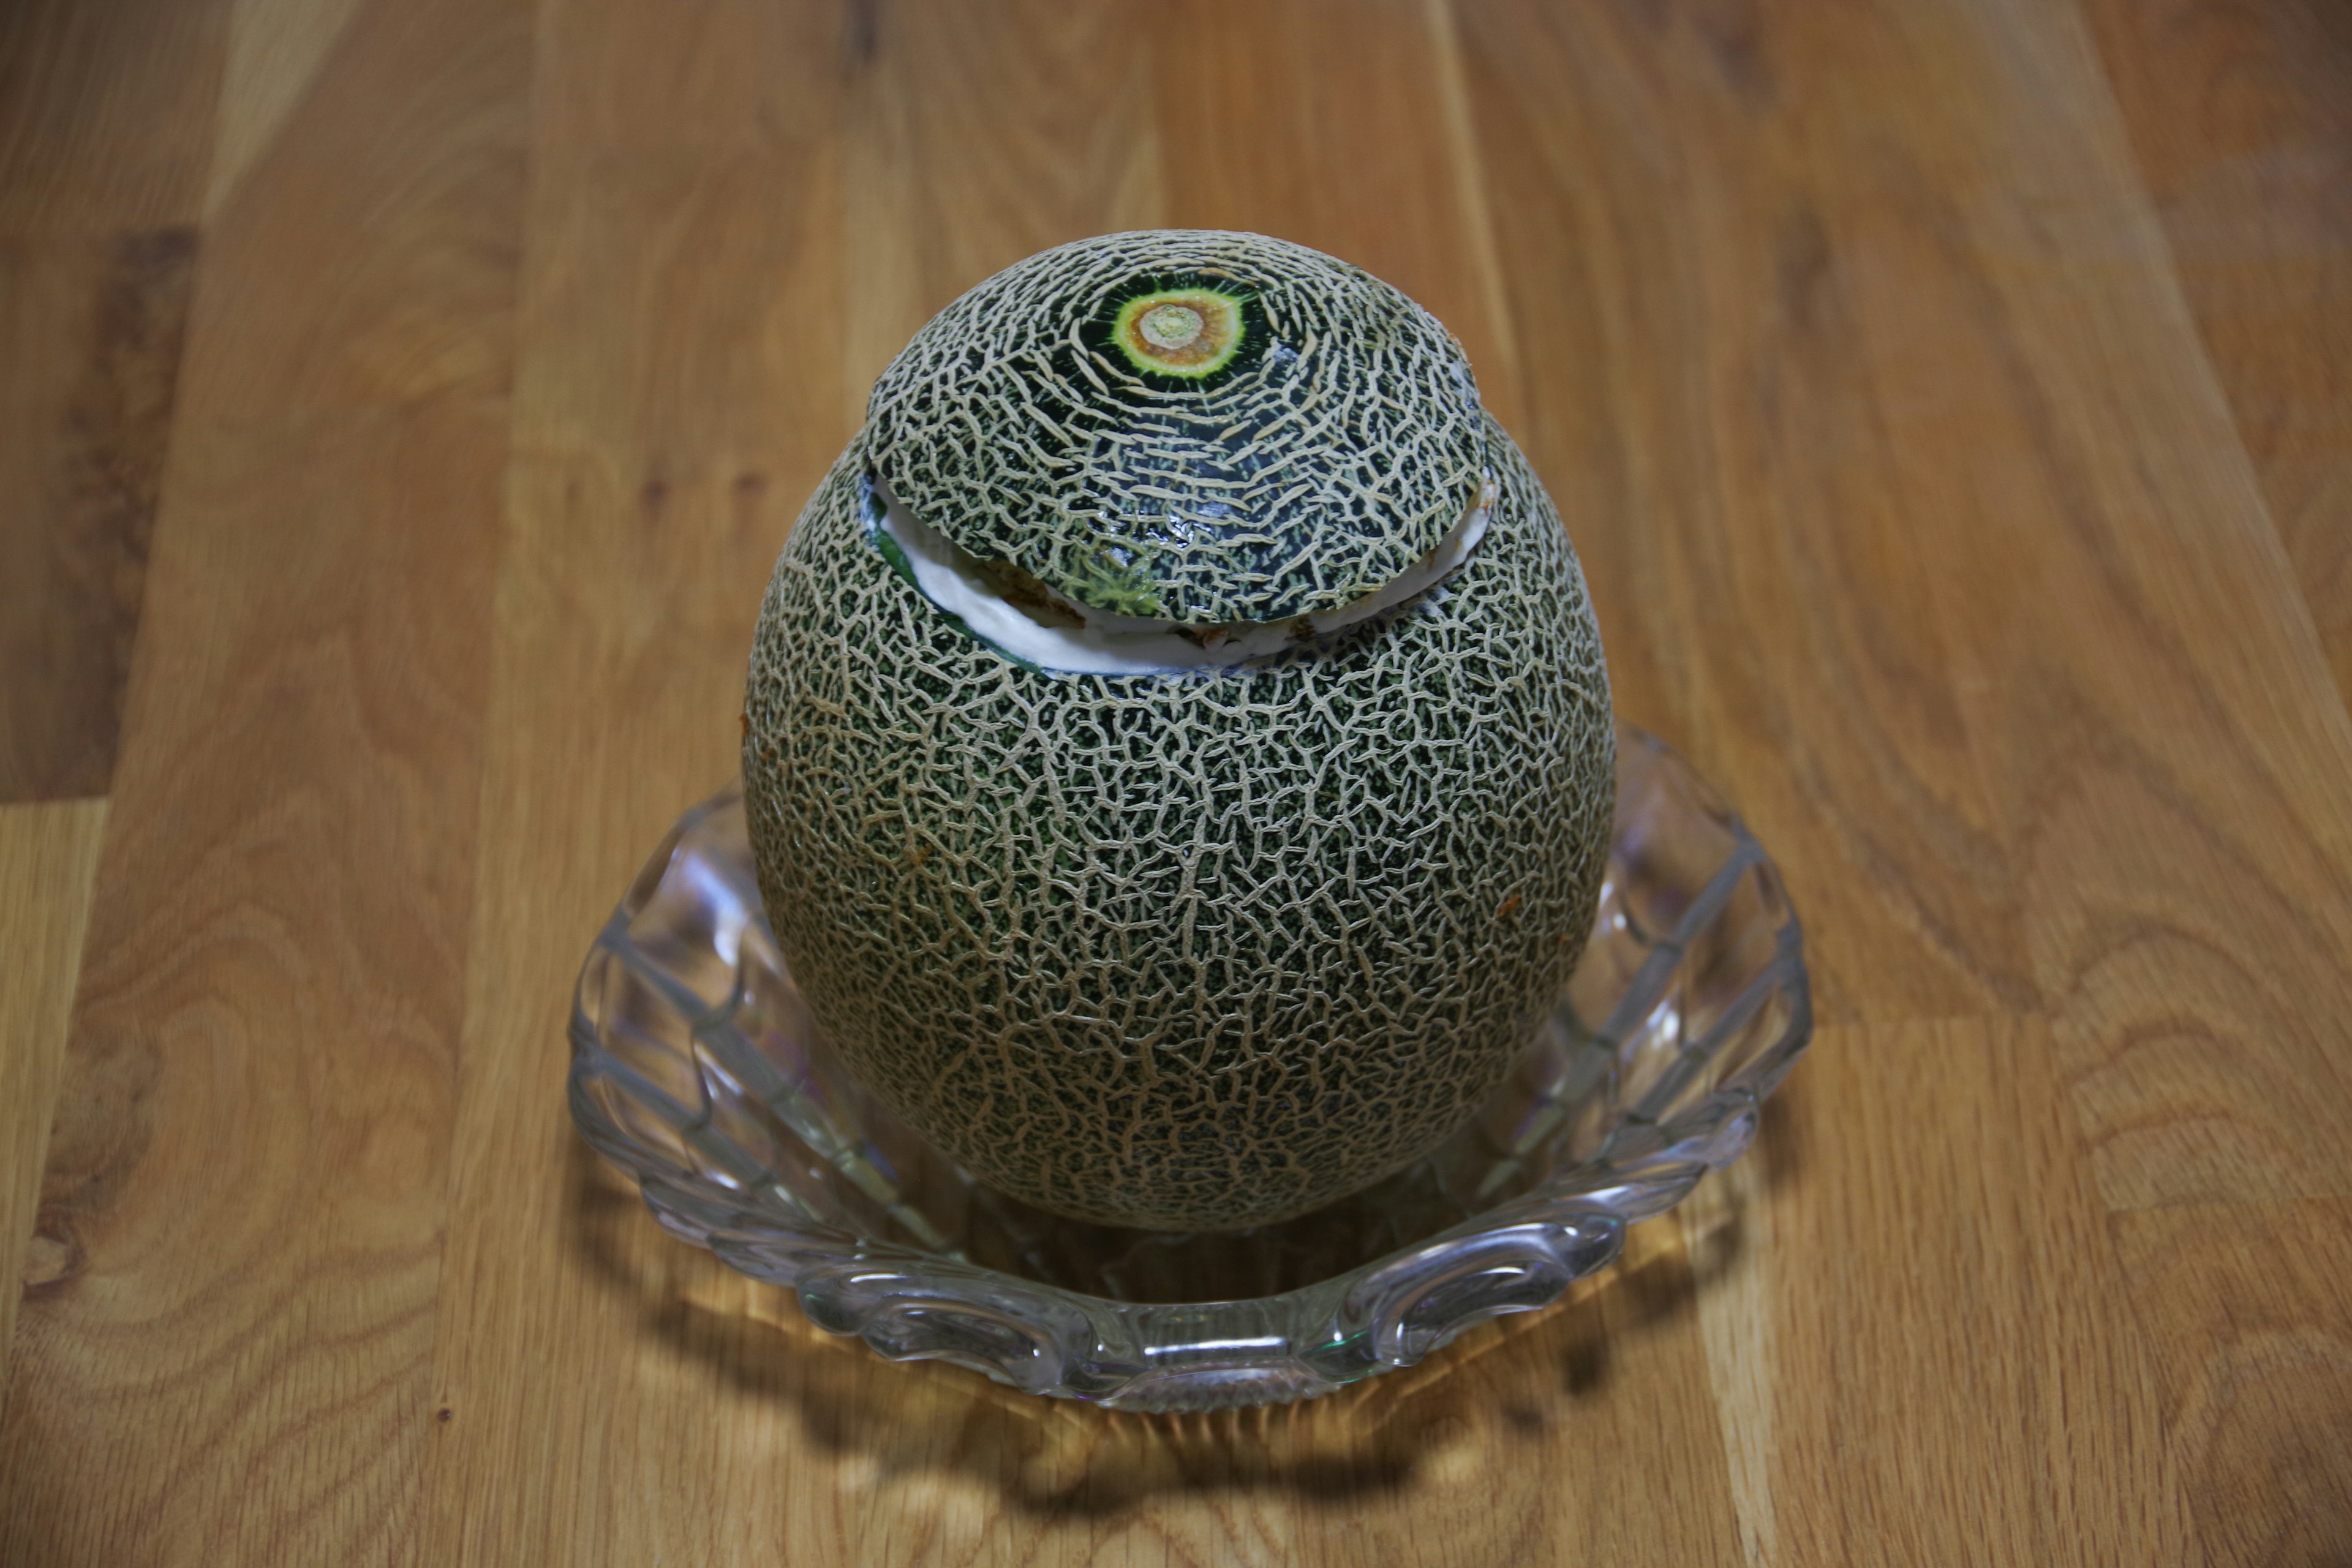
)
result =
(696, 1067)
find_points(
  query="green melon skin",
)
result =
(1186, 952)
(1337, 446)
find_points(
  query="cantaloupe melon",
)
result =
(1177, 756)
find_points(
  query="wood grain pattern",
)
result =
(251, 1141)
(677, 394)
(1938, 1164)
(2240, 120)
(48, 859)
(276, 51)
(2245, 1311)
(1944, 396)
(106, 113)
(1707, 421)
(2162, 743)
(90, 332)
(1358, 150)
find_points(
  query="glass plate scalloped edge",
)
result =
(696, 1070)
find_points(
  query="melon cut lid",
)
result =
(1194, 430)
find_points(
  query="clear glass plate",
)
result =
(696, 1067)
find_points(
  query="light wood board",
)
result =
(404, 402)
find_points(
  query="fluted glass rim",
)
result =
(664, 1093)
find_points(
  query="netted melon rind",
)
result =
(1188, 953)
(1336, 454)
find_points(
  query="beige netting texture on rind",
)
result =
(1343, 449)
(1181, 951)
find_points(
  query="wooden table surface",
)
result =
(404, 400)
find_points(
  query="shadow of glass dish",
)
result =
(698, 1069)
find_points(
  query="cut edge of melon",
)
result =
(1090, 641)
